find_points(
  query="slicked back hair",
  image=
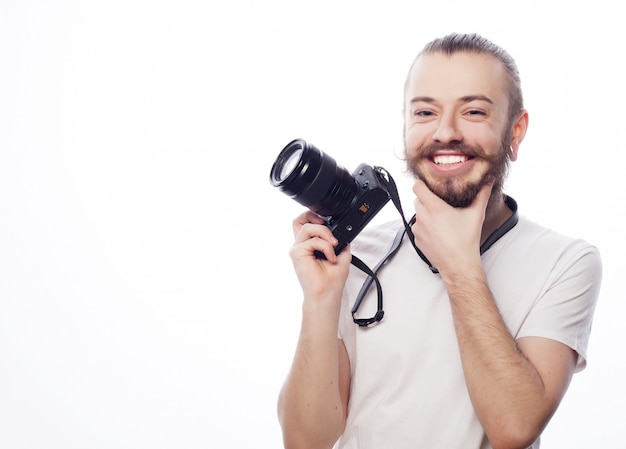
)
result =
(474, 43)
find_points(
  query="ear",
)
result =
(519, 131)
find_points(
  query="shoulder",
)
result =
(548, 243)
(374, 241)
(538, 262)
(371, 247)
(560, 277)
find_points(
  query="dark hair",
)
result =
(474, 43)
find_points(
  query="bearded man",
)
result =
(478, 345)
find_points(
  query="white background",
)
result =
(146, 295)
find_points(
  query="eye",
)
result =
(423, 113)
(475, 114)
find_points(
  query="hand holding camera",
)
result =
(340, 206)
(346, 202)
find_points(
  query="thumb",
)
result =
(483, 195)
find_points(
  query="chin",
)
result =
(456, 193)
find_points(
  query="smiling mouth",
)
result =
(450, 159)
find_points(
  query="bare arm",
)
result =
(515, 387)
(312, 405)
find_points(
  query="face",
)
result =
(456, 131)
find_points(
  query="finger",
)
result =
(312, 248)
(425, 195)
(304, 218)
(345, 254)
(311, 230)
(483, 196)
(419, 187)
(315, 237)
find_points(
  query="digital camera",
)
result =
(347, 202)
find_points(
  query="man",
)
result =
(477, 353)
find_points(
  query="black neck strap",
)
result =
(406, 229)
(504, 228)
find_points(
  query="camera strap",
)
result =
(390, 184)
(395, 198)
(392, 189)
(372, 277)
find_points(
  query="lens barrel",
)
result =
(313, 179)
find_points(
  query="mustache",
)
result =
(472, 151)
(428, 151)
(498, 162)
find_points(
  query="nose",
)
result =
(447, 130)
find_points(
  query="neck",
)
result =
(496, 214)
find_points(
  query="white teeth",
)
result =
(443, 159)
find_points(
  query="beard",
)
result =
(455, 191)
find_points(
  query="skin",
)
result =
(312, 406)
(515, 386)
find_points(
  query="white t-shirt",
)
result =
(407, 387)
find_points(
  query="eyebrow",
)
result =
(469, 98)
(465, 99)
(420, 99)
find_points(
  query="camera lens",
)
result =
(290, 164)
(313, 179)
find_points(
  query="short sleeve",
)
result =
(565, 310)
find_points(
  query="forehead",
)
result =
(451, 77)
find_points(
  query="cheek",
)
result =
(489, 140)
(413, 139)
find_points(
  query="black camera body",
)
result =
(371, 197)
(347, 202)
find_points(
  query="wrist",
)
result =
(463, 275)
(320, 315)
